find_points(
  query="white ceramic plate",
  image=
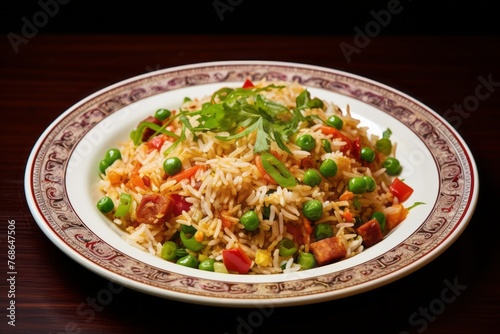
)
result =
(60, 185)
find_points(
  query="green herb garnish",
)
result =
(277, 170)
(240, 112)
(414, 205)
(136, 135)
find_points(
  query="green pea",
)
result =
(306, 142)
(287, 247)
(357, 185)
(371, 185)
(162, 114)
(250, 220)
(103, 165)
(306, 260)
(323, 231)
(188, 261)
(172, 166)
(168, 250)
(380, 217)
(105, 204)
(367, 154)
(191, 243)
(384, 146)
(392, 166)
(207, 265)
(328, 168)
(112, 155)
(327, 146)
(312, 178)
(335, 121)
(313, 209)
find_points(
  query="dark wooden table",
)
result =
(53, 294)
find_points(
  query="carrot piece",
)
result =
(260, 167)
(347, 215)
(395, 214)
(330, 130)
(307, 226)
(306, 234)
(225, 219)
(185, 174)
(146, 180)
(135, 177)
(199, 236)
(114, 178)
(347, 195)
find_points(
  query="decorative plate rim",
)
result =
(50, 160)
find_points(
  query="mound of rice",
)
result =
(229, 183)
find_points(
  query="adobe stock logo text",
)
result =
(381, 19)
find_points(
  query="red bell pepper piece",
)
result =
(296, 233)
(400, 189)
(186, 173)
(330, 130)
(156, 142)
(180, 204)
(248, 84)
(236, 260)
(356, 148)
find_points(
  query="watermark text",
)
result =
(460, 111)
(223, 6)
(381, 19)
(426, 314)
(11, 272)
(30, 26)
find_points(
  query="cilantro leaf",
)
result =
(241, 134)
(261, 142)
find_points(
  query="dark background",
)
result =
(252, 16)
(433, 50)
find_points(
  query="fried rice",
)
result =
(225, 181)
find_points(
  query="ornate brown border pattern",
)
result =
(49, 171)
